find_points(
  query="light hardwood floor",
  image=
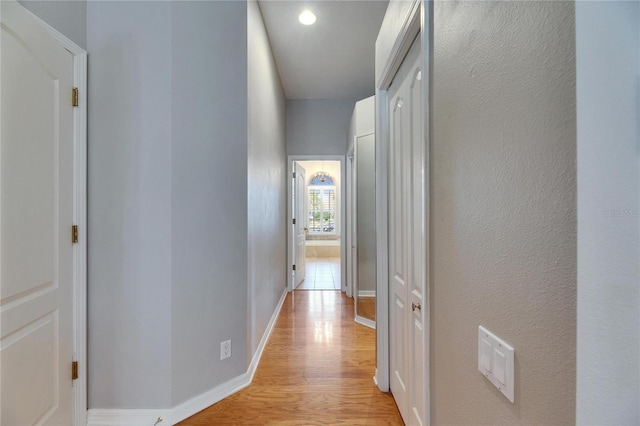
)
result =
(367, 307)
(316, 369)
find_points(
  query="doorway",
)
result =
(317, 211)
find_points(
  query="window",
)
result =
(322, 204)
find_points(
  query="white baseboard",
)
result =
(367, 293)
(265, 337)
(117, 417)
(365, 321)
(207, 399)
(106, 417)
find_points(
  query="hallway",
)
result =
(316, 369)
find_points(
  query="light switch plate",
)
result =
(495, 362)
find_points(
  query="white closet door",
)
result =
(406, 230)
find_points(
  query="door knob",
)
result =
(415, 306)
(306, 230)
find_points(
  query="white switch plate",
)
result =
(495, 361)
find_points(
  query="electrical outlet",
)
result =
(225, 349)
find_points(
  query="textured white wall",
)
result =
(503, 219)
(267, 170)
(608, 352)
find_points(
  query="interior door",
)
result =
(406, 238)
(36, 213)
(300, 216)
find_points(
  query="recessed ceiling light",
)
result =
(307, 17)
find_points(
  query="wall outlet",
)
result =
(225, 349)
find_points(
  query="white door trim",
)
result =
(417, 21)
(349, 222)
(80, 219)
(291, 235)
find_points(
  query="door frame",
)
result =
(350, 223)
(417, 22)
(290, 232)
(79, 304)
(299, 205)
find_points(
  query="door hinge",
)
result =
(294, 267)
(294, 175)
(74, 97)
(294, 221)
(74, 234)
(74, 370)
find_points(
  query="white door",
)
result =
(406, 235)
(300, 217)
(36, 213)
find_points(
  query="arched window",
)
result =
(321, 179)
(322, 204)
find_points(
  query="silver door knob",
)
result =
(415, 306)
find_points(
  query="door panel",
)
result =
(397, 226)
(300, 214)
(418, 258)
(407, 261)
(417, 365)
(36, 213)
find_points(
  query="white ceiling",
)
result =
(331, 59)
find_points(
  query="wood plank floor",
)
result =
(367, 307)
(316, 369)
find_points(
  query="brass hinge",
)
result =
(294, 267)
(74, 370)
(74, 234)
(294, 221)
(74, 97)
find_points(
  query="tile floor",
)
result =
(322, 273)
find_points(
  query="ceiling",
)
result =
(331, 59)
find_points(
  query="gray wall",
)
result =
(608, 348)
(318, 126)
(167, 200)
(68, 17)
(209, 193)
(130, 246)
(266, 180)
(503, 219)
